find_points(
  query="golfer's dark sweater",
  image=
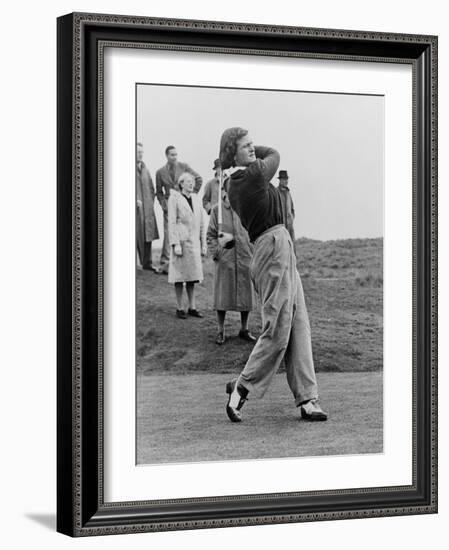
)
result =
(252, 196)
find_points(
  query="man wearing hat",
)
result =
(285, 322)
(288, 209)
(210, 196)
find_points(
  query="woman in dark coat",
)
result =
(233, 289)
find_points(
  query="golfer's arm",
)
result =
(267, 161)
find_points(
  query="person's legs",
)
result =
(285, 331)
(244, 315)
(193, 312)
(221, 315)
(138, 262)
(165, 252)
(190, 288)
(147, 256)
(140, 254)
(244, 333)
(140, 236)
(178, 292)
(273, 282)
(298, 357)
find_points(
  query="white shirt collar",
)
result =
(235, 169)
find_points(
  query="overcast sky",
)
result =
(332, 146)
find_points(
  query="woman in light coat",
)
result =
(232, 253)
(186, 232)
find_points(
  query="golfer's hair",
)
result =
(182, 177)
(168, 149)
(228, 145)
(139, 144)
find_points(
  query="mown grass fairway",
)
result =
(183, 419)
(181, 372)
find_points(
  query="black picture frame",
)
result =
(81, 510)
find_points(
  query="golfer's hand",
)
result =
(224, 239)
(204, 251)
(177, 249)
(139, 203)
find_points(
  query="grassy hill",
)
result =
(343, 286)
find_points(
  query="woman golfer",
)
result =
(285, 322)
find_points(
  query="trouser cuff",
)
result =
(249, 387)
(302, 399)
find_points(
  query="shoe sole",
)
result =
(232, 415)
(313, 418)
(245, 339)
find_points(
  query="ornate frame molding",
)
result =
(81, 509)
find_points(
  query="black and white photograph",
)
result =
(259, 273)
(223, 291)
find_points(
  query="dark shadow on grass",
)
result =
(46, 520)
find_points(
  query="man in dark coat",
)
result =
(288, 208)
(147, 231)
(166, 180)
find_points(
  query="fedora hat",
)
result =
(216, 164)
(283, 174)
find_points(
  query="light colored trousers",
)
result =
(285, 322)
